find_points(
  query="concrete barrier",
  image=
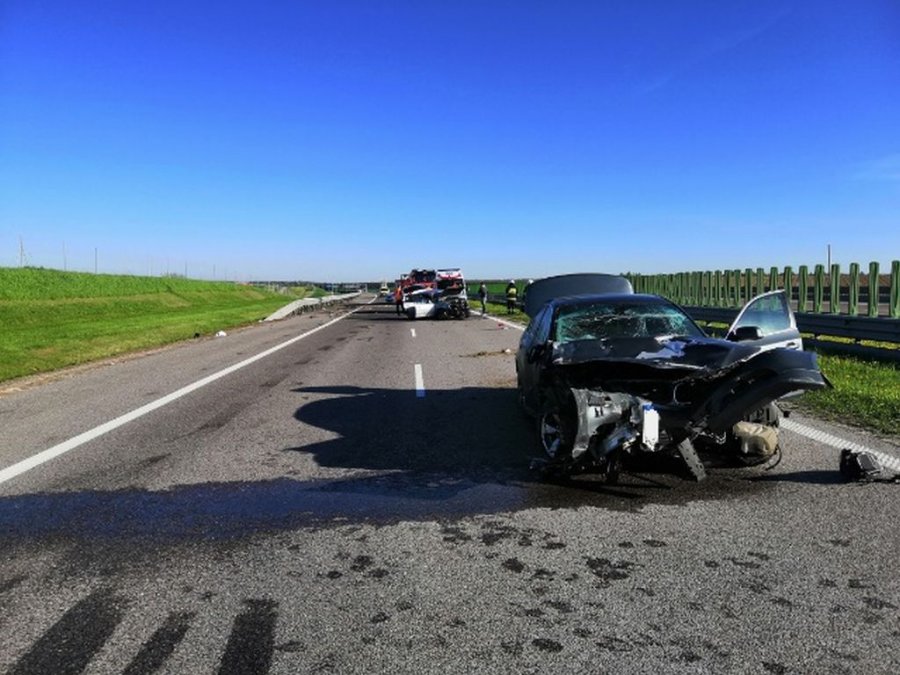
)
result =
(299, 306)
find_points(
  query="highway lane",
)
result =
(310, 513)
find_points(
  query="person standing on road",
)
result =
(482, 295)
(398, 300)
(511, 293)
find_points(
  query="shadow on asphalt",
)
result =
(808, 477)
(452, 454)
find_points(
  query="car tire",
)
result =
(554, 435)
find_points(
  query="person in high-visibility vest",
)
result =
(511, 293)
(398, 299)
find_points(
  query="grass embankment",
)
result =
(865, 394)
(51, 319)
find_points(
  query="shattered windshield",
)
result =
(602, 320)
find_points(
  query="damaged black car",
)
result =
(610, 374)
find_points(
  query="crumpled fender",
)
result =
(756, 383)
(596, 409)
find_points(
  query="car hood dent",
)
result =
(709, 354)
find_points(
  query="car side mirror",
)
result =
(745, 333)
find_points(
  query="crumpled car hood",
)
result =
(712, 380)
(688, 354)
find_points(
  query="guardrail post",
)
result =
(834, 300)
(773, 279)
(707, 283)
(789, 284)
(748, 286)
(802, 287)
(760, 280)
(717, 288)
(874, 289)
(818, 288)
(895, 289)
(853, 290)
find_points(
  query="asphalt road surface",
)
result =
(332, 507)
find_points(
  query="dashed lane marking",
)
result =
(420, 381)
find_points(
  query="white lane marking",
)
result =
(29, 463)
(511, 324)
(824, 437)
(420, 381)
(412, 332)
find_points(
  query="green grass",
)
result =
(51, 319)
(865, 394)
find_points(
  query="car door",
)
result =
(766, 322)
(530, 358)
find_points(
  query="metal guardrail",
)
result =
(307, 303)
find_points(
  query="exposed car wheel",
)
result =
(554, 435)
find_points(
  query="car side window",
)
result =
(542, 325)
(769, 313)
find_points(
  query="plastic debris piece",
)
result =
(221, 333)
(859, 466)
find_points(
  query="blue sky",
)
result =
(355, 140)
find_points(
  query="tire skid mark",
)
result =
(161, 644)
(252, 640)
(69, 645)
(9, 584)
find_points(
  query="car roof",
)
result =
(613, 298)
(538, 293)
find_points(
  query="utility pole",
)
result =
(829, 258)
(21, 252)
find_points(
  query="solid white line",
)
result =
(511, 324)
(420, 381)
(413, 331)
(825, 438)
(11, 472)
